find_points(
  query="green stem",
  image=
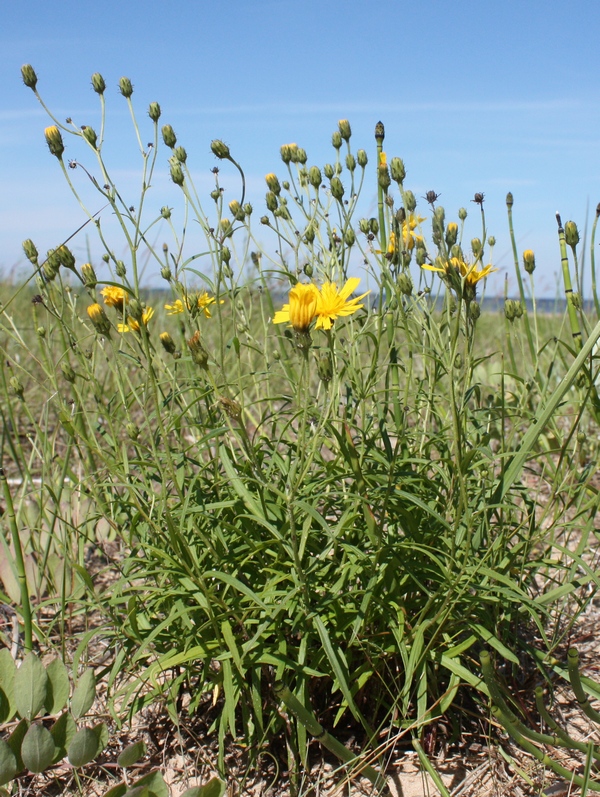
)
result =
(593, 263)
(564, 262)
(532, 351)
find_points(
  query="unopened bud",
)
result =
(168, 343)
(474, 310)
(41, 332)
(247, 209)
(265, 220)
(125, 87)
(328, 171)
(68, 373)
(90, 135)
(405, 283)
(132, 430)
(197, 350)
(398, 170)
(314, 176)
(16, 386)
(509, 200)
(99, 319)
(383, 176)
(337, 189)
(31, 252)
(166, 273)
(168, 136)
(165, 212)
(462, 213)
(273, 183)
(379, 132)
(529, 261)
(476, 247)
(349, 237)
(374, 226)
(451, 234)
(120, 269)
(220, 149)
(29, 76)
(136, 309)
(286, 153)
(154, 111)
(571, 234)
(225, 254)
(226, 228)
(89, 275)
(350, 162)
(180, 154)
(576, 300)
(345, 129)
(54, 141)
(492, 241)
(325, 365)
(309, 235)
(299, 156)
(176, 171)
(410, 201)
(271, 201)
(52, 265)
(363, 226)
(336, 139)
(361, 157)
(215, 194)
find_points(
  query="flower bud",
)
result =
(383, 176)
(349, 237)
(476, 247)
(197, 350)
(41, 332)
(236, 210)
(226, 228)
(299, 156)
(529, 261)
(215, 194)
(120, 269)
(31, 253)
(571, 234)
(220, 149)
(328, 171)
(286, 153)
(176, 171)
(68, 373)
(168, 136)
(89, 275)
(271, 201)
(90, 135)
(314, 176)
(337, 189)
(166, 273)
(125, 87)
(247, 208)
(576, 300)
(410, 201)
(51, 266)
(363, 226)
(336, 139)
(379, 132)
(29, 76)
(309, 236)
(273, 183)
(350, 162)
(168, 343)
(374, 226)
(509, 200)
(154, 111)
(136, 309)
(99, 319)
(345, 129)
(16, 386)
(180, 154)
(225, 254)
(451, 234)
(405, 283)
(265, 220)
(325, 365)
(54, 141)
(132, 430)
(398, 170)
(462, 213)
(361, 157)
(474, 310)
(421, 256)
(165, 212)
(98, 83)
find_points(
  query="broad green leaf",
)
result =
(31, 683)
(83, 747)
(84, 694)
(15, 740)
(57, 692)
(101, 731)
(8, 763)
(214, 788)
(155, 784)
(8, 670)
(132, 754)
(63, 731)
(117, 791)
(37, 749)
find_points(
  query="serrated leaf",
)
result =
(57, 691)
(38, 748)
(154, 782)
(8, 670)
(214, 788)
(84, 694)
(8, 763)
(117, 791)
(30, 686)
(132, 754)
(63, 731)
(83, 747)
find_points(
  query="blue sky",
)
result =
(475, 96)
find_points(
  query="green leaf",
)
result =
(30, 686)
(15, 740)
(154, 782)
(101, 731)
(495, 643)
(83, 747)
(84, 694)
(38, 748)
(8, 670)
(8, 763)
(63, 731)
(117, 791)
(132, 754)
(214, 788)
(57, 692)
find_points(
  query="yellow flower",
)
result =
(333, 303)
(301, 308)
(132, 325)
(469, 272)
(203, 300)
(382, 160)
(409, 236)
(115, 297)
(99, 319)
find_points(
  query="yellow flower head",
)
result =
(132, 325)
(333, 303)
(202, 302)
(114, 297)
(409, 236)
(382, 160)
(455, 267)
(301, 308)
(176, 307)
(99, 319)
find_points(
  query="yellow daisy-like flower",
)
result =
(301, 308)
(409, 236)
(203, 301)
(114, 297)
(469, 272)
(333, 303)
(132, 325)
